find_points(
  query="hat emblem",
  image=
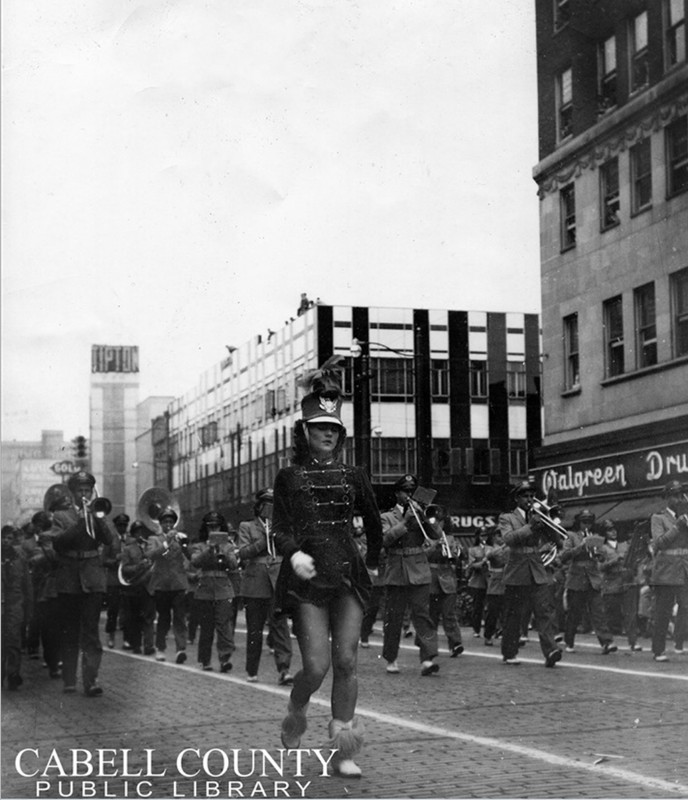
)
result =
(328, 406)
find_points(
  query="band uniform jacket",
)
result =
(615, 576)
(215, 565)
(496, 559)
(169, 570)
(406, 546)
(79, 565)
(313, 511)
(583, 568)
(111, 558)
(477, 571)
(136, 567)
(523, 565)
(259, 568)
(443, 578)
(670, 547)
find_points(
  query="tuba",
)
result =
(151, 504)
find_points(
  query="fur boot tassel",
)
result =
(294, 725)
(347, 739)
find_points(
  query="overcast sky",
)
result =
(176, 173)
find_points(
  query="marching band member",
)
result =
(323, 582)
(17, 597)
(477, 569)
(619, 587)
(111, 559)
(442, 557)
(527, 582)
(138, 601)
(215, 558)
(582, 554)
(407, 578)
(169, 553)
(260, 567)
(669, 577)
(494, 600)
(81, 583)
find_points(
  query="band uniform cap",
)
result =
(168, 512)
(80, 479)
(137, 526)
(520, 488)
(608, 525)
(121, 519)
(265, 496)
(212, 518)
(317, 407)
(407, 483)
(674, 487)
(586, 513)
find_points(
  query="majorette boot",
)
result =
(347, 739)
(294, 725)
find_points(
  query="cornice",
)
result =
(651, 112)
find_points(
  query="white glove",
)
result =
(303, 565)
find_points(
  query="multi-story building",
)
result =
(613, 187)
(453, 396)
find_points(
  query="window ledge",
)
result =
(574, 390)
(641, 210)
(641, 373)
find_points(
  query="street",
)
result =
(595, 726)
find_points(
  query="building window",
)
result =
(567, 202)
(677, 156)
(645, 325)
(679, 302)
(481, 462)
(518, 460)
(562, 14)
(613, 337)
(606, 71)
(609, 194)
(515, 379)
(571, 361)
(392, 377)
(392, 457)
(641, 176)
(674, 33)
(478, 379)
(439, 378)
(441, 461)
(640, 75)
(564, 98)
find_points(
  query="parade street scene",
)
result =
(344, 399)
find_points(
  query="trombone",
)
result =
(431, 513)
(96, 509)
(544, 513)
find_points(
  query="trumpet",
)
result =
(96, 509)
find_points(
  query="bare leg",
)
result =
(346, 615)
(313, 636)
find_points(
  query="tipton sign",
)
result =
(107, 358)
(622, 473)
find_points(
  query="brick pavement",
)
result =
(479, 729)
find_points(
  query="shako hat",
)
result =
(323, 401)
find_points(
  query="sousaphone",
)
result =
(57, 497)
(152, 503)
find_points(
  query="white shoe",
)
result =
(679, 651)
(570, 649)
(348, 768)
(392, 668)
(365, 643)
(252, 679)
(159, 655)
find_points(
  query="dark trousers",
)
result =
(171, 608)
(215, 616)
(494, 604)
(426, 633)
(540, 598)
(622, 612)
(372, 609)
(443, 607)
(112, 606)
(478, 595)
(260, 610)
(138, 607)
(48, 613)
(580, 601)
(80, 615)
(665, 597)
(12, 627)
